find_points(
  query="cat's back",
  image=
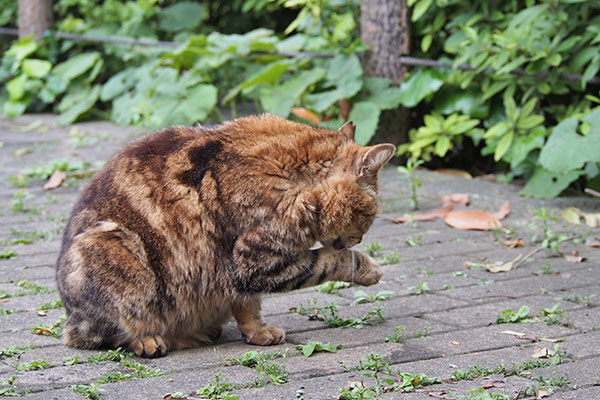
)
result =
(217, 174)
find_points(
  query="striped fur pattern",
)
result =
(186, 227)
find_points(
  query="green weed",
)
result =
(8, 254)
(311, 348)
(420, 289)
(373, 249)
(361, 297)
(398, 336)
(333, 287)
(510, 316)
(217, 389)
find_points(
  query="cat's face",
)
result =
(350, 202)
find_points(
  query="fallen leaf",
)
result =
(551, 340)
(454, 342)
(56, 179)
(594, 244)
(514, 243)
(543, 393)
(503, 211)
(574, 215)
(439, 395)
(454, 172)
(42, 313)
(306, 114)
(488, 385)
(514, 333)
(43, 331)
(477, 219)
(495, 268)
(541, 352)
(573, 259)
(571, 215)
(344, 109)
(449, 202)
(592, 220)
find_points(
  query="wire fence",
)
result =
(405, 60)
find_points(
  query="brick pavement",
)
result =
(448, 330)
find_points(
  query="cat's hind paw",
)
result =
(149, 346)
(265, 336)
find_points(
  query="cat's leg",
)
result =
(111, 295)
(269, 267)
(254, 330)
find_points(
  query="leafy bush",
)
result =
(519, 103)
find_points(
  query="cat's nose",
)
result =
(338, 244)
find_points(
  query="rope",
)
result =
(405, 60)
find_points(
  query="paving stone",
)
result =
(460, 308)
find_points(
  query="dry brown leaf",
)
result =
(495, 268)
(438, 395)
(43, 331)
(503, 212)
(543, 393)
(306, 114)
(56, 179)
(574, 215)
(573, 259)
(542, 352)
(594, 244)
(472, 220)
(454, 172)
(450, 201)
(514, 243)
(344, 109)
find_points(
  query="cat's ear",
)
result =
(374, 159)
(348, 130)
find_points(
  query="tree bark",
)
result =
(35, 17)
(385, 28)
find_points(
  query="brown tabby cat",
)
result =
(188, 226)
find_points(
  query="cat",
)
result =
(188, 226)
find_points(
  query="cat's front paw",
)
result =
(149, 346)
(265, 335)
(367, 271)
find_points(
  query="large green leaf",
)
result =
(567, 150)
(16, 87)
(420, 85)
(266, 75)
(365, 115)
(117, 84)
(76, 66)
(77, 103)
(523, 145)
(545, 184)
(185, 15)
(381, 93)
(36, 68)
(280, 99)
(345, 73)
(198, 102)
(464, 101)
(15, 108)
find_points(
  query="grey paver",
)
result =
(457, 315)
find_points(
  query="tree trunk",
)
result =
(385, 28)
(35, 17)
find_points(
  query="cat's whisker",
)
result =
(352, 265)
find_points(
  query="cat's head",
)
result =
(348, 197)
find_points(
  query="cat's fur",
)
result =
(188, 226)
